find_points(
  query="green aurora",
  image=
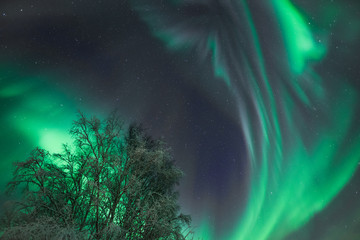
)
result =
(36, 112)
(297, 125)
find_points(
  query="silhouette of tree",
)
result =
(112, 183)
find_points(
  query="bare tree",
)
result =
(112, 183)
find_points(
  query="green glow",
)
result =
(171, 42)
(299, 41)
(34, 113)
(44, 117)
(205, 231)
(52, 139)
(9, 89)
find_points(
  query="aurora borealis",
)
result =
(258, 99)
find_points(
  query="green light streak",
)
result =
(299, 129)
(300, 45)
(283, 199)
(306, 186)
(219, 70)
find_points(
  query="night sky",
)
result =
(259, 101)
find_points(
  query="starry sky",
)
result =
(259, 101)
